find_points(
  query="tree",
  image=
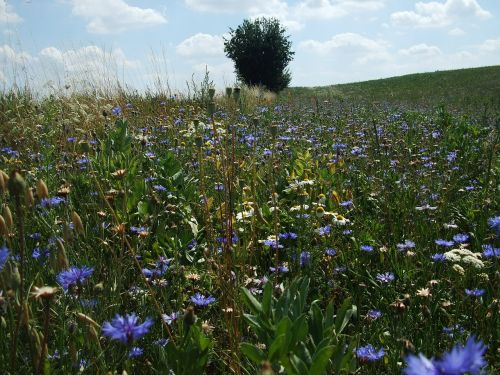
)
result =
(261, 51)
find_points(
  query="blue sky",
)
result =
(153, 43)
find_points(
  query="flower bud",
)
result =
(28, 197)
(189, 317)
(3, 227)
(16, 184)
(7, 215)
(41, 190)
(77, 222)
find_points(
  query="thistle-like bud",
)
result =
(28, 197)
(274, 130)
(62, 259)
(198, 140)
(229, 91)
(211, 93)
(41, 190)
(211, 108)
(4, 179)
(7, 215)
(84, 146)
(236, 94)
(3, 227)
(189, 317)
(16, 184)
(77, 222)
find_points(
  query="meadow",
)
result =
(317, 232)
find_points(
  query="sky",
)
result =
(160, 44)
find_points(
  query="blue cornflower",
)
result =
(135, 352)
(169, 319)
(369, 353)
(346, 203)
(367, 248)
(374, 314)
(460, 360)
(438, 257)
(4, 255)
(279, 269)
(117, 111)
(441, 242)
(405, 245)
(494, 223)
(161, 342)
(200, 300)
(322, 231)
(51, 202)
(385, 278)
(73, 276)
(489, 251)
(126, 329)
(159, 187)
(461, 238)
(305, 258)
(330, 252)
(475, 292)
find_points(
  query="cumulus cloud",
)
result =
(335, 8)
(114, 16)
(456, 31)
(9, 56)
(490, 45)
(420, 50)
(234, 6)
(7, 14)
(201, 45)
(437, 14)
(88, 59)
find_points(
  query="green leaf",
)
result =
(251, 301)
(277, 348)
(252, 352)
(298, 365)
(320, 360)
(267, 299)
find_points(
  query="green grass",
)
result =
(459, 89)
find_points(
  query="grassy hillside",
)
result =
(461, 89)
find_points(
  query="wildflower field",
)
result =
(232, 234)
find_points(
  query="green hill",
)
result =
(460, 89)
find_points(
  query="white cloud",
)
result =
(420, 50)
(490, 45)
(235, 6)
(344, 40)
(457, 31)
(114, 16)
(201, 45)
(9, 56)
(7, 14)
(436, 14)
(88, 59)
(335, 8)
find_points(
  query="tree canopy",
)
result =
(261, 51)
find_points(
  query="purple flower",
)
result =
(346, 203)
(405, 245)
(330, 252)
(489, 251)
(494, 223)
(135, 352)
(159, 188)
(74, 276)
(444, 243)
(200, 300)
(117, 111)
(4, 255)
(169, 319)
(51, 202)
(126, 329)
(305, 258)
(460, 360)
(461, 238)
(369, 353)
(385, 278)
(279, 269)
(374, 314)
(367, 248)
(475, 292)
(438, 257)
